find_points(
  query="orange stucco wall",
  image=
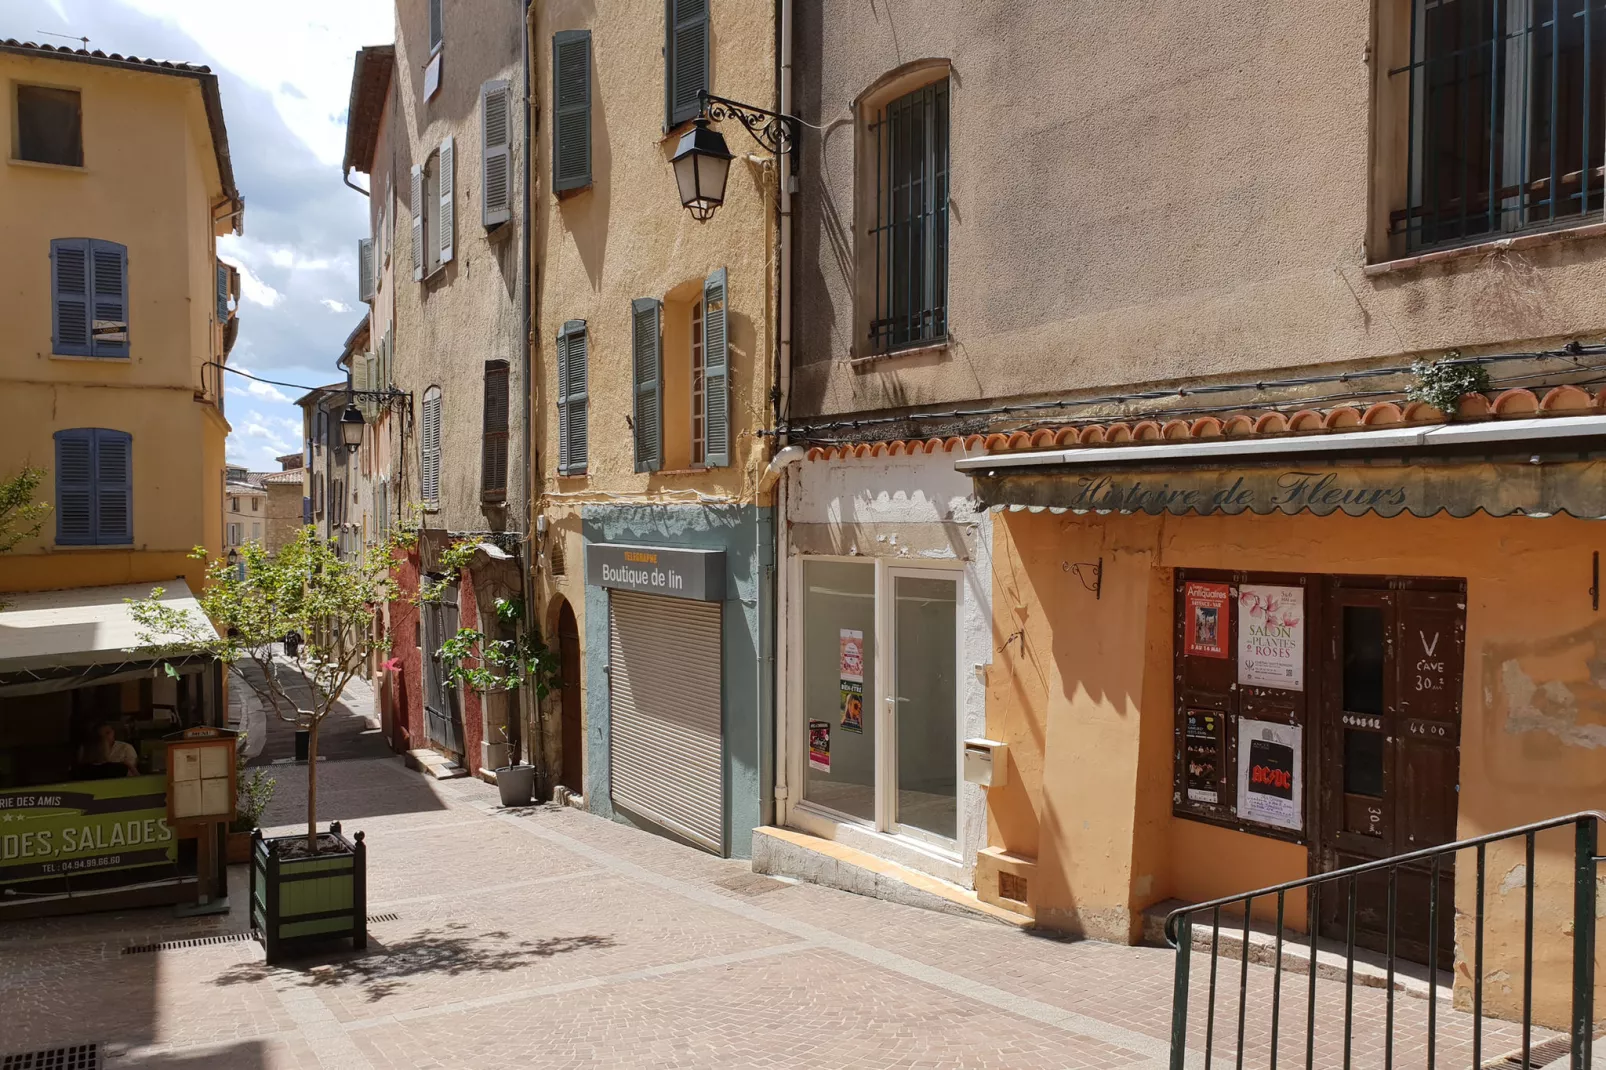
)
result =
(1082, 691)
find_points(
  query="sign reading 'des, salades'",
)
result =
(677, 573)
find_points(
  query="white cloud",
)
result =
(335, 306)
(282, 256)
(252, 288)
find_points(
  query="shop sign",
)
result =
(1270, 786)
(1205, 623)
(84, 827)
(820, 746)
(1203, 741)
(1271, 636)
(676, 573)
(850, 681)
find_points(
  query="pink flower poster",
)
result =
(1271, 637)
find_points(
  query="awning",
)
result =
(81, 626)
(1535, 467)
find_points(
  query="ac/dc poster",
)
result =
(1204, 756)
(1205, 619)
(1269, 781)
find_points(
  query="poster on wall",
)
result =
(851, 679)
(820, 746)
(1271, 636)
(1205, 620)
(1204, 756)
(1269, 781)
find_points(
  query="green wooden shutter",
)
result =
(496, 154)
(685, 59)
(69, 296)
(562, 394)
(579, 432)
(494, 431)
(716, 373)
(75, 487)
(571, 97)
(109, 278)
(647, 373)
(114, 488)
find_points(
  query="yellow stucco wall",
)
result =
(1086, 695)
(149, 181)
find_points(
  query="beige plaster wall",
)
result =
(1141, 193)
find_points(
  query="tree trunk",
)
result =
(312, 786)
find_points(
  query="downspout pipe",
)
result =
(527, 579)
(345, 176)
(787, 455)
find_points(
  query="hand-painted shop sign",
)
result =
(677, 573)
(1575, 488)
(84, 827)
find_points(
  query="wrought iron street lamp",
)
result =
(702, 159)
(351, 425)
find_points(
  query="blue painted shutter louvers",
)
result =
(222, 294)
(94, 487)
(571, 96)
(685, 59)
(576, 415)
(114, 488)
(75, 487)
(716, 372)
(69, 296)
(109, 275)
(647, 375)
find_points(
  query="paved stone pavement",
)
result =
(350, 731)
(548, 937)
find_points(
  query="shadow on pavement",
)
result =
(447, 952)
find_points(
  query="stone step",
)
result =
(434, 764)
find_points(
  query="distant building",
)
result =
(245, 512)
(285, 492)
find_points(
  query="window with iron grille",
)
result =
(1507, 117)
(909, 238)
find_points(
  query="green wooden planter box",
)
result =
(297, 900)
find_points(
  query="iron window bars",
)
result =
(910, 235)
(1507, 117)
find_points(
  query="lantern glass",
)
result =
(702, 164)
(351, 425)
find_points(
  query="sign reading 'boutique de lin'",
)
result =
(60, 830)
(677, 573)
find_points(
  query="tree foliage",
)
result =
(21, 518)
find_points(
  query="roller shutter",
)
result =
(666, 746)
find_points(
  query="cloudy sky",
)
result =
(284, 67)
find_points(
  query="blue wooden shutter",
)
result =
(577, 395)
(109, 273)
(716, 373)
(685, 58)
(562, 394)
(69, 296)
(114, 488)
(646, 344)
(75, 487)
(571, 108)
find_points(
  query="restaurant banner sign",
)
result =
(1574, 488)
(89, 826)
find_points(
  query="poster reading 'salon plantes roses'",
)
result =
(1271, 636)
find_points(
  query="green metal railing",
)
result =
(1180, 933)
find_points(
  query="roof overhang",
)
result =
(83, 626)
(1533, 467)
(370, 83)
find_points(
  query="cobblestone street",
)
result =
(550, 937)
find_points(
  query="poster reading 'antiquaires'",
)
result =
(1269, 783)
(1271, 636)
(1205, 619)
(1204, 756)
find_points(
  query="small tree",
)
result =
(305, 588)
(21, 518)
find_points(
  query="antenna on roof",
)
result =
(64, 36)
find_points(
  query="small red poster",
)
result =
(1205, 620)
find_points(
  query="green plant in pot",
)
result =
(254, 790)
(491, 666)
(309, 885)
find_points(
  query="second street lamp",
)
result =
(702, 159)
(351, 425)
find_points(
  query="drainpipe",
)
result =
(527, 580)
(345, 176)
(774, 475)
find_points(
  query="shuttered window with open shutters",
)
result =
(365, 269)
(716, 373)
(444, 230)
(685, 59)
(89, 298)
(429, 448)
(222, 293)
(572, 398)
(496, 147)
(493, 457)
(94, 487)
(571, 118)
(417, 206)
(647, 366)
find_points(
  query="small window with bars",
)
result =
(1507, 118)
(909, 235)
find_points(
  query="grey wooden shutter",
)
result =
(114, 487)
(109, 283)
(69, 296)
(647, 360)
(562, 394)
(75, 487)
(579, 428)
(496, 150)
(418, 223)
(365, 269)
(443, 226)
(716, 373)
(437, 23)
(685, 58)
(222, 294)
(429, 443)
(493, 458)
(571, 122)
